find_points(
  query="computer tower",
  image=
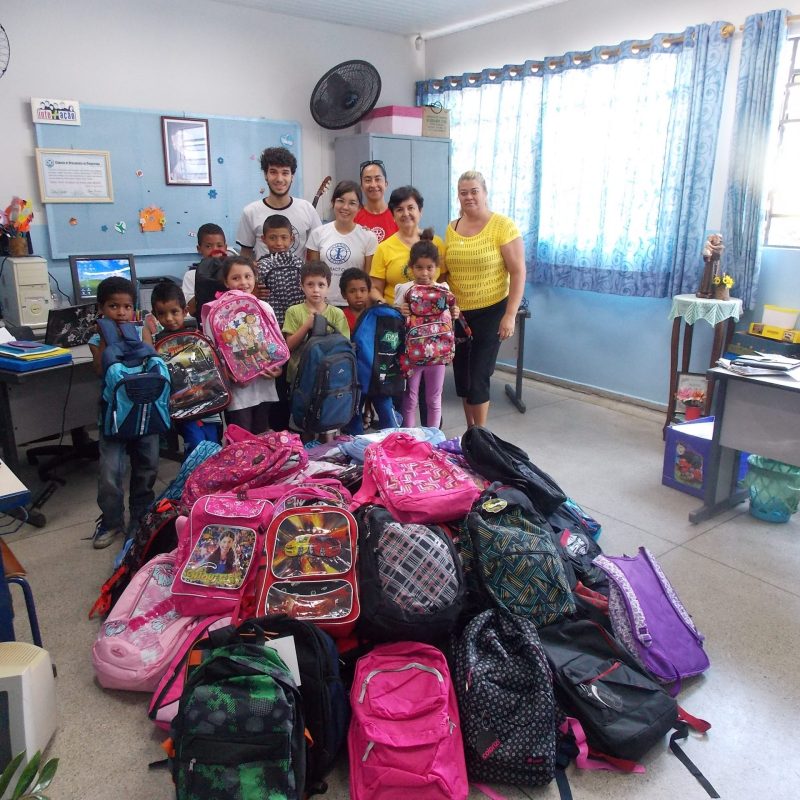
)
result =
(25, 292)
(27, 701)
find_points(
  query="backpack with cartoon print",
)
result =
(246, 334)
(429, 339)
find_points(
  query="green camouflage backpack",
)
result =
(239, 732)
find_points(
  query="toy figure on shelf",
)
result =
(712, 252)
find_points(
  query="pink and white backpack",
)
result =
(143, 631)
(219, 549)
(415, 481)
(430, 338)
(249, 462)
(405, 736)
(246, 333)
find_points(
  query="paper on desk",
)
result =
(753, 370)
(5, 335)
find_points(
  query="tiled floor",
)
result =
(736, 575)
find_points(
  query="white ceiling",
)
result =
(428, 18)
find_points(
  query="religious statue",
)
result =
(712, 252)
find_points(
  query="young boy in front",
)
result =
(278, 280)
(315, 279)
(115, 301)
(169, 308)
(355, 286)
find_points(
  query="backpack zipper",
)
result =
(411, 665)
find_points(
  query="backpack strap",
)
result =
(682, 732)
(320, 326)
(640, 629)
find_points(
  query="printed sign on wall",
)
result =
(55, 112)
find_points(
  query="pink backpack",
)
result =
(164, 703)
(415, 481)
(429, 339)
(405, 736)
(219, 548)
(143, 630)
(252, 462)
(246, 334)
(310, 569)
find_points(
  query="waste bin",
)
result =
(774, 489)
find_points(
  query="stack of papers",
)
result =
(30, 351)
(763, 364)
(19, 356)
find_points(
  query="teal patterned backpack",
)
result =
(514, 563)
(239, 731)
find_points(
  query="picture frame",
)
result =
(692, 381)
(187, 151)
(74, 176)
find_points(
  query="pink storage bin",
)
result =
(393, 119)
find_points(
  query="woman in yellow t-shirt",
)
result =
(391, 258)
(486, 273)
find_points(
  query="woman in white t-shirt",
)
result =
(342, 244)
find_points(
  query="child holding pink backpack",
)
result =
(430, 309)
(248, 337)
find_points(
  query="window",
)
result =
(783, 200)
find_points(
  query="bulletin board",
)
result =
(133, 139)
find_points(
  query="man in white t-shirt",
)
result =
(279, 167)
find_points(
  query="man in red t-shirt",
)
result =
(374, 214)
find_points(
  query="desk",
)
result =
(722, 314)
(45, 402)
(752, 414)
(13, 494)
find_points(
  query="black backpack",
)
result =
(239, 730)
(325, 703)
(410, 579)
(498, 460)
(623, 711)
(155, 535)
(207, 282)
(325, 393)
(509, 718)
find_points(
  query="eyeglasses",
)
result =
(376, 162)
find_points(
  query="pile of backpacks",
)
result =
(440, 606)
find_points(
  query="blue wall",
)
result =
(621, 344)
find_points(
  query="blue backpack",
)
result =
(325, 393)
(379, 338)
(136, 386)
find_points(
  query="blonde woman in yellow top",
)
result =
(486, 273)
(391, 258)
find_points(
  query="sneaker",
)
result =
(102, 536)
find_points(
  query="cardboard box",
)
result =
(393, 119)
(686, 451)
(435, 122)
(780, 317)
(774, 332)
(745, 344)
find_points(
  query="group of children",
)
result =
(296, 291)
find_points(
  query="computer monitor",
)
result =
(88, 271)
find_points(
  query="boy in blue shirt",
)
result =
(115, 301)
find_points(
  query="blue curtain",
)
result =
(743, 215)
(603, 158)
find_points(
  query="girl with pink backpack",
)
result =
(249, 340)
(430, 309)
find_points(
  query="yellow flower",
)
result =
(717, 280)
(727, 280)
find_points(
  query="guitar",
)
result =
(323, 187)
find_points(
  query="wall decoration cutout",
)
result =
(121, 226)
(152, 219)
(212, 193)
(73, 220)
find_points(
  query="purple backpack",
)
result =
(650, 620)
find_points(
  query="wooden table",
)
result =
(687, 308)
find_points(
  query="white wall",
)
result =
(196, 56)
(618, 344)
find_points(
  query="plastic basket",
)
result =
(774, 489)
